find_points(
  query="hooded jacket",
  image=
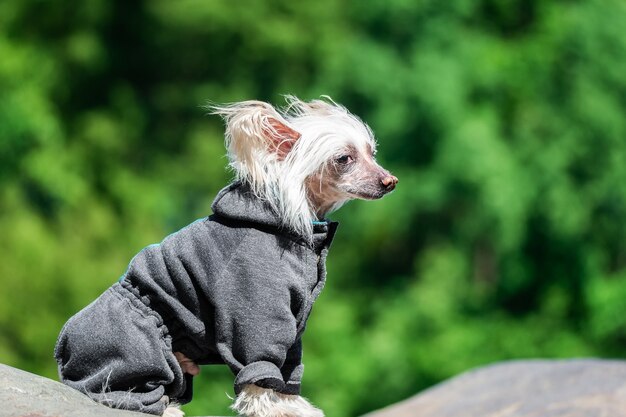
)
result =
(234, 288)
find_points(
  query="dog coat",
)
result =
(234, 288)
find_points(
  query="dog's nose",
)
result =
(389, 182)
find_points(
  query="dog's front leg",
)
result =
(255, 401)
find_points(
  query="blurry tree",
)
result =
(503, 119)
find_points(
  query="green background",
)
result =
(504, 120)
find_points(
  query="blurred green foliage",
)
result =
(504, 120)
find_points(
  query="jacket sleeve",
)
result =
(255, 327)
(293, 369)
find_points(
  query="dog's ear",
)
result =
(253, 127)
(281, 137)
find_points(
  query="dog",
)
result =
(236, 287)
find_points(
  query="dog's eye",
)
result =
(344, 159)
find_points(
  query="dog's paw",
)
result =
(254, 401)
(173, 411)
(299, 406)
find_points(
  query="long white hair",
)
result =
(276, 150)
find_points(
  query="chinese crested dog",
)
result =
(236, 287)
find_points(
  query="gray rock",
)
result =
(537, 388)
(23, 394)
(530, 388)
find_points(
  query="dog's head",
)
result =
(307, 159)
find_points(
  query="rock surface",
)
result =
(537, 388)
(23, 394)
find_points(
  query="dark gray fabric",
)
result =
(233, 288)
(118, 352)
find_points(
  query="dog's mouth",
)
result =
(366, 194)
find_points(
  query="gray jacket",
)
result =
(234, 288)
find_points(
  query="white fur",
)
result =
(254, 401)
(326, 129)
(173, 410)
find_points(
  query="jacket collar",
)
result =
(236, 202)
